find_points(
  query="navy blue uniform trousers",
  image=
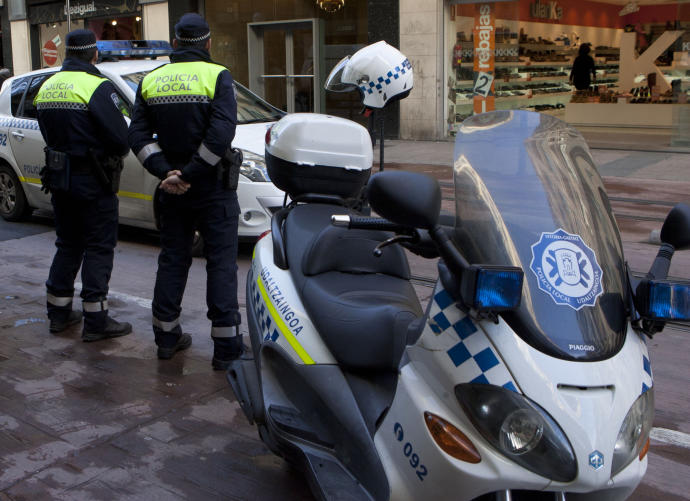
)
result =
(216, 218)
(86, 227)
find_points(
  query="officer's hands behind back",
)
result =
(173, 184)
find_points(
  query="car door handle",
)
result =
(18, 135)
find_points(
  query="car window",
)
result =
(28, 109)
(250, 107)
(122, 104)
(19, 86)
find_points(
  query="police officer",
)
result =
(183, 124)
(81, 124)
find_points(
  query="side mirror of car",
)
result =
(406, 198)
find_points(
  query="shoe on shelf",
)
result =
(167, 352)
(60, 325)
(112, 329)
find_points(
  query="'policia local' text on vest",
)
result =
(190, 82)
(68, 90)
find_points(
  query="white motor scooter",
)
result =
(528, 375)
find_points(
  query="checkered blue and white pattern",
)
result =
(647, 368)
(19, 123)
(377, 83)
(474, 357)
(266, 323)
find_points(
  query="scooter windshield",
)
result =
(527, 194)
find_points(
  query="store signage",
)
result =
(632, 65)
(546, 10)
(484, 57)
(50, 53)
(57, 11)
(80, 9)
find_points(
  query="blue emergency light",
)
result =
(115, 49)
(667, 301)
(492, 288)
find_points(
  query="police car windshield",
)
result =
(250, 107)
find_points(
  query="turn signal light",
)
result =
(644, 450)
(451, 440)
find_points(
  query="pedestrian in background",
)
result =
(583, 66)
(86, 138)
(189, 106)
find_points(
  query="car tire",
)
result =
(13, 205)
(198, 245)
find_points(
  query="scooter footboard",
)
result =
(310, 409)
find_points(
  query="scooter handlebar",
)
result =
(367, 223)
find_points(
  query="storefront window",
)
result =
(527, 50)
(287, 75)
(108, 19)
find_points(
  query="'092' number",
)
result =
(414, 460)
(3, 139)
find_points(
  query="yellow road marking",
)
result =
(282, 327)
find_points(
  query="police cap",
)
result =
(80, 40)
(192, 28)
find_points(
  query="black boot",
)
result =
(184, 341)
(225, 350)
(59, 325)
(112, 328)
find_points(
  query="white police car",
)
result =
(22, 157)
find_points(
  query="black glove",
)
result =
(44, 179)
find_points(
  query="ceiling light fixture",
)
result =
(629, 8)
(331, 5)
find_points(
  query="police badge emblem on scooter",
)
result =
(509, 385)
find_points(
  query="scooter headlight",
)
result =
(254, 167)
(634, 432)
(519, 429)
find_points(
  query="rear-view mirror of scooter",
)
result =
(408, 202)
(656, 298)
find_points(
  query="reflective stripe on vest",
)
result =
(193, 82)
(70, 90)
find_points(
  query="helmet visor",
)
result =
(334, 81)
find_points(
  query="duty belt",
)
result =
(80, 165)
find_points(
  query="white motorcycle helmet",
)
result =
(380, 71)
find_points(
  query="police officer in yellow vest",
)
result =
(183, 124)
(86, 137)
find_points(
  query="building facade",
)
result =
(467, 56)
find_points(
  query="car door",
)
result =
(136, 189)
(27, 142)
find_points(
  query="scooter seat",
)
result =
(360, 304)
(362, 318)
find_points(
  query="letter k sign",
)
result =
(631, 66)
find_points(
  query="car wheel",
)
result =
(13, 206)
(197, 245)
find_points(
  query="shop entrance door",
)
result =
(286, 63)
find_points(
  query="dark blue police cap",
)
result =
(80, 40)
(192, 28)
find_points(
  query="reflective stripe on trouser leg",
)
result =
(95, 306)
(224, 332)
(166, 333)
(59, 301)
(166, 326)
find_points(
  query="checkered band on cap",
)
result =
(81, 47)
(192, 40)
